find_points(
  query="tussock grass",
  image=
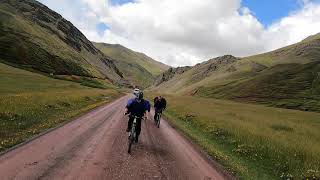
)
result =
(31, 103)
(252, 141)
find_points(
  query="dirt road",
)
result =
(94, 146)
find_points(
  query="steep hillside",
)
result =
(34, 37)
(180, 83)
(136, 67)
(287, 77)
(122, 53)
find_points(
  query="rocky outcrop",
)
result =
(199, 71)
(170, 73)
(214, 63)
(203, 70)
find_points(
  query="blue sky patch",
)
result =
(269, 11)
(102, 27)
(120, 2)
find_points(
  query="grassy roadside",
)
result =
(251, 141)
(31, 103)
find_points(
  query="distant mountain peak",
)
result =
(137, 67)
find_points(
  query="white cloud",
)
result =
(185, 32)
(295, 27)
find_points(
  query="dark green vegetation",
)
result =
(287, 78)
(138, 68)
(31, 103)
(36, 38)
(251, 141)
(292, 86)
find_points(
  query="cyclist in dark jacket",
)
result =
(163, 102)
(155, 99)
(160, 104)
(137, 107)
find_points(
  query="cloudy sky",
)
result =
(185, 32)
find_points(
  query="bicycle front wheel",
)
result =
(131, 139)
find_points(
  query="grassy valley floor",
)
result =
(251, 141)
(31, 103)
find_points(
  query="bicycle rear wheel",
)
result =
(129, 145)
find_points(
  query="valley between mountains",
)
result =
(63, 97)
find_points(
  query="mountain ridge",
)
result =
(34, 36)
(143, 57)
(137, 67)
(286, 77)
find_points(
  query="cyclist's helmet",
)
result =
(140, 95)
(136, 92)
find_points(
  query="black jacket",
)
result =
(160, 104)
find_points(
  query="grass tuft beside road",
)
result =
(31, 103)
(252, 141)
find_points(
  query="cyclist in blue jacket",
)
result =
(137, 107)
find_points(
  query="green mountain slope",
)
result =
(31, 102)
(122, 53)
(136, 67)
(287, 77)
(34, 37)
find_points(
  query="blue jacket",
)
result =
(136, 108)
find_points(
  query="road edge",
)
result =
(220, 168)
(58, 126)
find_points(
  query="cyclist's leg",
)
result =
(131, 118)
(159, 112)
(155, 113)
(138, 127)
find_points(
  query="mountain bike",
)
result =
(158, 118)
(132, 134)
